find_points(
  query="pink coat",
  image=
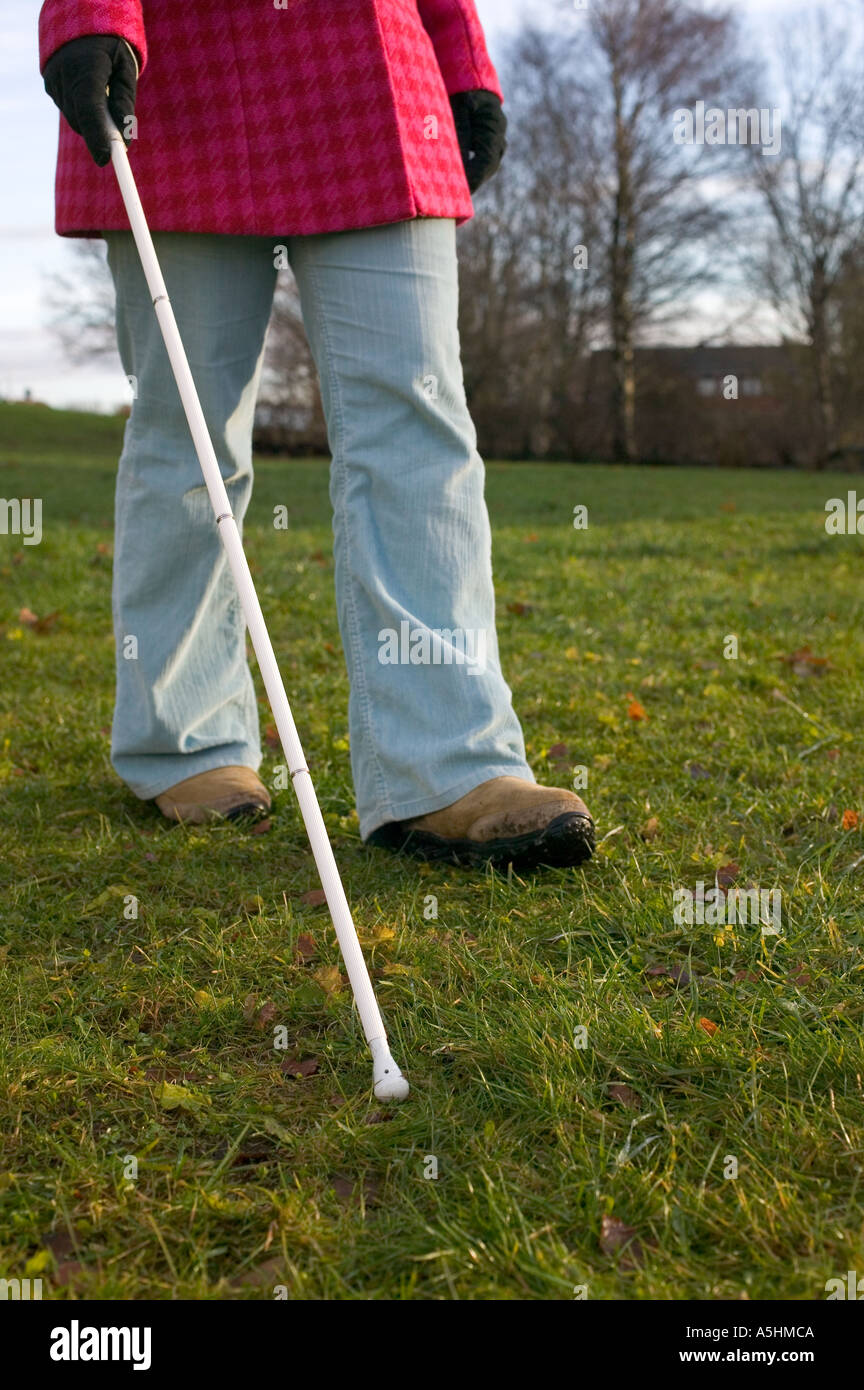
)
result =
(314, 116)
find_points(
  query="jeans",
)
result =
(430, 715)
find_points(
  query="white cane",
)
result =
(388, 1081)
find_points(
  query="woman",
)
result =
(351, 132)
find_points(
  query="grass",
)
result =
(148, 1042)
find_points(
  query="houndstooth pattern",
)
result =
(254, 120)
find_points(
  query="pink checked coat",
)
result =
(316, 116)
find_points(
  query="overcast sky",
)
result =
(29, 249)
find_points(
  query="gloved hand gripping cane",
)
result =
(388, 1081)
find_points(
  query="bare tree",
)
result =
(647, 59)
(531, 297)
(80, 303)
(814, 190)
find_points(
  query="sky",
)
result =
(30, 357)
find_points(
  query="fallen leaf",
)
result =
(329, 977)
(558, 753)
(804, 663)
(60, 1243)
(833, 754)
(380, 1117)
(616, 1235)
(634, 709)
(316, 897)
(266, 1275)
(306, 948)
(265, 1017)
(625, 1095)
(519, 610)
(650, 829)
(29, 619)
(294, 1066)
(696, 771)
(250, 1004)
(172, 1097)
(261, 827)
(347, 1190)
(727, 875)
(709, 1027)
(254, 905)
(676, 973)
(850, 820)
(271, 736)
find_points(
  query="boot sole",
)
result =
(249, 811)
(565, 843)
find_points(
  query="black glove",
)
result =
(76, 78)
(481, 127)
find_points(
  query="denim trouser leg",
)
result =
(412, 538)
(411, 529)
(185, 702)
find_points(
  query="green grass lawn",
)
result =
(148, 1041)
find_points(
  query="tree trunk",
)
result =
(621, 296)
(821, 355)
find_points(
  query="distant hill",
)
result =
(33, 430)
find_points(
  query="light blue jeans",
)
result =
(412, 539)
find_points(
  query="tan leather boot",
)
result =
(503, 821)
(224, 792)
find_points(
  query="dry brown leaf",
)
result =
(29, 619)
(696, 771)
(266, 1275)
(625, 1095)
(329, 977)
(297, 1067)
(650, 830)
(804, 663)
(634, 709)
(616, 1235)
(265, 1017)
(727, 875)
(306, 948)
